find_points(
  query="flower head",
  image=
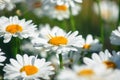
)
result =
(105, 59)
(91, 44)
(115, 36)
(57, 39)
(13, 27)
(28, 67)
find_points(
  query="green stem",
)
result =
(15, 45)
(101, 25)
(72, 21)
(61, 61)
(119, 15)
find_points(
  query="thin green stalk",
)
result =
(61, 61)
(72, 21)
(101, 25)
(15, 46)
(119, 15)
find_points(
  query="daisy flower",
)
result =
(81, 73)
(115, 36)
(105, 59)
(2, 58)
(67, 2)
(28, 47)
(59, 12)
(57, 39)
(36, 6)
(109, 10)
(13, 27)
(91, 44)
(27, 68)
(8, 4)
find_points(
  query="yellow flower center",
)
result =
(14, 28)
(61, 7)
(29, 70)
(86, 72)
(86, 46)
(58, 40)
(110, 64)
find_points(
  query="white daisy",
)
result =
(67, 2)
(109, 10)
(91, 44)
(115, 36)
(2, 58)
(59, 12)
(57, 40)
(104, 59)
(8, 4)
(36, 6)
(28, 47)
(13, 27)
(81, 73)
(27, 68)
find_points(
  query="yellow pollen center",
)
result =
(29, 70)
(86, 46)
(61, 7)
(110, 64)
(14, 28)
(58, 40)
(86, 72)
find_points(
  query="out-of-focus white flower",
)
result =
(37, 7)
(28, 47)
(91, 44)
(109, 10)
(115, 36)
(2, 58)
(59, 12)
(57, 39)
(82, 73)
(13, 27)
(8, 4)
(66, 2)
(105, 59)
(27, 68)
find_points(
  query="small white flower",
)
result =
(8, 4)
(67, 2)
(104, 59)
(28, 47)
(109, 10)
(27, 68)
(57, 39)
(2, 58)
(37, 7)
(115, 36)
(59, 12)
(81, 73)
(91, 44)
(13, 27)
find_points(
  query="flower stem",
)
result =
(61, 61)
(101, 25)
(119, 15)
(15, 46)
(72, 21)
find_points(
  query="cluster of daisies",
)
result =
(52, 46)
(54, 41)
